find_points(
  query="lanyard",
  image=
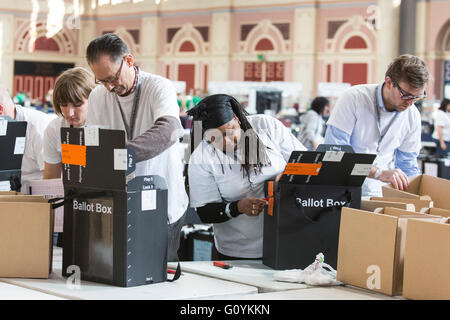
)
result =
(129, 128)
(377, 109)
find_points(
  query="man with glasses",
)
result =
(382, 119)
(145, 106)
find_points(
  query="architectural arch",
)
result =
(25, 40)
(264, 30)
(187, 33)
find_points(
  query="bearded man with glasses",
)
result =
(145, 106)
(382, 119)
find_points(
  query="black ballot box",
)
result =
(304, 211)
(12, 143)
(115, 224)
(436, 167)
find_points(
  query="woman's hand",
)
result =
(251, 206)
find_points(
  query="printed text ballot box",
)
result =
(12, 144)
(304, 211)
(115, 231)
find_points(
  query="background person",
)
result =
(441, 133)
(382, 119)
(145, 106)
(70, 101)
(312, 126)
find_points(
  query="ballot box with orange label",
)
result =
(302, 218)
(115, 224)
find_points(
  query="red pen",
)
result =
(171, 271)
(222, 265)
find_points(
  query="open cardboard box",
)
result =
(427, 260)
(26, 236)
(436, 212)
(371, 205)
(419, 204)
(371, 248)
(423, 187)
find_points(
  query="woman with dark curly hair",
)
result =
(233, 155)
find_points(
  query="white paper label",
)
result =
(431, 169)
(5, 185)
(333, 156)
(3, 127)
(148, 200)
(447, 162)
(91, 136)
(361, 169)
(19, 147)
(120, 159)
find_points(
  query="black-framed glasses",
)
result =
(111, 81)
(407, 96)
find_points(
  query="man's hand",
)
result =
(443, 145)
(251, 206)
(397, 177)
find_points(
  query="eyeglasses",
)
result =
(407, 96)
(113, 80)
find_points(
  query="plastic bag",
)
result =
(317, 273)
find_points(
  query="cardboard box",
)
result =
(26, 237)
(419, 204)
(304, 211)
(50, 189)
(371, 205)
(424, 187)
(437, 212)
(371, 248)
(427, 260)
(115, 225)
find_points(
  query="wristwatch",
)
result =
(377, 173)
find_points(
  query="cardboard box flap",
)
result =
(418, 203)
(332, 168)
(427, 260)
(437, 189)
(23, 198)
(436, 212)
(26, 234)
(367, 243)
(413, 190)
(96, 158)
(372, 205)
(424, 187)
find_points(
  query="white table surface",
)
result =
(249, 272)
(316, 293)
(188, 286)
(13, 292)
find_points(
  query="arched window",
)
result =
(355, 42)
(187, 46)
(46, 44)
(264, 45)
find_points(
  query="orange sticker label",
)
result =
(270, 196)
(73, 154)
(303, 169)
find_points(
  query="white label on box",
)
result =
(5, 185)
(361, 169)
(447, 162)
(19, 147)
(3, 127)
(431, 169)
(333, 156)
(148, 200)
(91, 136)
(120, 159)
